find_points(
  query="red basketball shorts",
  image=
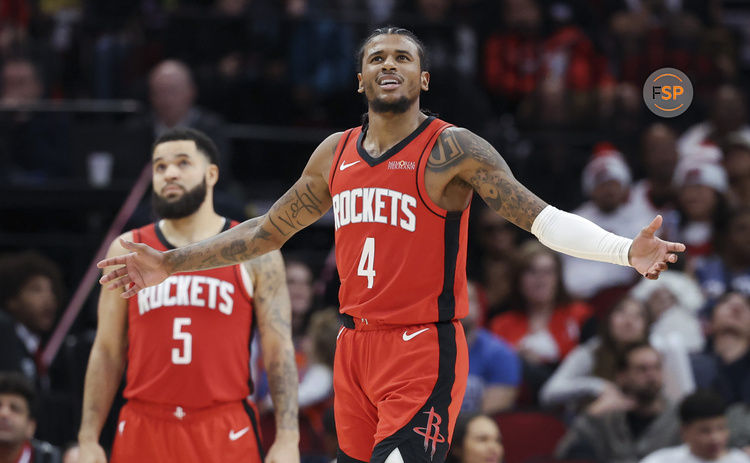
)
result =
(159, 433)
(399, 387)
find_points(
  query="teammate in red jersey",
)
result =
(400, 188)
(187, 340)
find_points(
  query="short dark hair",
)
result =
(623, 360)
(397, 31)
(13, 382)
(459, 434)
(17, 269)
(701, 405)
(202, 141)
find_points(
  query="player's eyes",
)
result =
(184, 163)
(159, 168)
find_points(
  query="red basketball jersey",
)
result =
(400, 257)
(189, 337)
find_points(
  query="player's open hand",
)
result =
(651, 255)
(143, 267)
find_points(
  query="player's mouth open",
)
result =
(389, 82)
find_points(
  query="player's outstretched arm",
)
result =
(105, 367)
(304, 203)
(478, 164)
(274, 315)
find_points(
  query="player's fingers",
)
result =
(114, 274)
(653, 226)
(132, 291)
(116, 260)
(661, 266)
(672, 258)
(675, 247)
(122, 282)
(129, 245)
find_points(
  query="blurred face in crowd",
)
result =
(20, 83)
(660, 301)
(475, 309)
(732, 317)
(737, 165)
(496, 235)
(539, 279)
(482, 443)
(642, 379)
(698, 202)
(434, 10)
(522, 16)
(172, 92)
(739, 236)
(729, 111)
(181, 178)
(16, 424)
(627, 324)
(392, 76)
(660, 153)
(299, 280)
(35, 305)
(707, 438)
(608, 195)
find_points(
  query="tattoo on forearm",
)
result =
(288, 217)
(282, 380)
(236, 248)
(492, 178)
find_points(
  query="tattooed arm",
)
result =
(473, 163)
(304, 203)
(274, 315)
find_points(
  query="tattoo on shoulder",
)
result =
(455, 145)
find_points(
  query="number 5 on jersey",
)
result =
(185, 355)
(367, 261)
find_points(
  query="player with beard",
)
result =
(400, 187)
(187, 341)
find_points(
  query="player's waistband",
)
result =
(363, 324)
(182, 414)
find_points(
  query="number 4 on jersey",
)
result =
(367, 261)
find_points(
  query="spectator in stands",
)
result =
(655, 193)
(704, 432)
(588, 372)
(606, 181)
(492, 263)
(494, 367)
(728, 116)
(646, 422)
(316, 383)
(702, 204)
(673, 303)
(476, 438)
(738, 418)
(299, 280)
(34, 145)
(30, 292)
(172, 94)
(729, 268)
(17, 424)
(737, 167)
(543, 325)
(725, 368)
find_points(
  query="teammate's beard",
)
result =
(190, 201)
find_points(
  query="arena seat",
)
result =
(529, 434)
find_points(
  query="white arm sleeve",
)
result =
(578, 237)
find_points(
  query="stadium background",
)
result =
(545, 81)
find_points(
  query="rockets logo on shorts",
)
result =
(431, 432)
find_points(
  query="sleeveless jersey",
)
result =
(189, 337)
(400, 257)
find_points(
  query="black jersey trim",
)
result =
(447, 297)
(393, 150)
(335, 165)
(163, 239)
(419, 163)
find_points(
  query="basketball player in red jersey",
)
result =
(187, 340)
(400, 188)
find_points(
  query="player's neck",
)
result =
(386, 130)
(203, 223)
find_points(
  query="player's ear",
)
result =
(360, 86)
(212, 174)
(425, 81)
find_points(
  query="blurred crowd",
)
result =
(625, 365)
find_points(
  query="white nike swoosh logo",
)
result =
(236, 435)
(346, 166)
(408, 337)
